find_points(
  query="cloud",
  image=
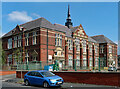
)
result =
(36, 15)
(19, 16)
(116, 42)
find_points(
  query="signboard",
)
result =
(50, 58)
(113, 62)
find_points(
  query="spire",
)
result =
(68, 20)
(69, 12)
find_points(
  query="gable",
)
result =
(17, 30)
(80, 32)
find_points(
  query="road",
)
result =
(64, 86)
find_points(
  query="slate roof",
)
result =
(63, 29)
(91, 40)
(42, 22)
(73, 29)
(102, 39)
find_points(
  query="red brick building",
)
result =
(70, 46)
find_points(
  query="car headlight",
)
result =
(52, 80)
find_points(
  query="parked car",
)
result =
(112, 69)
(42, 77)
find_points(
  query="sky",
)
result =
(97, 18)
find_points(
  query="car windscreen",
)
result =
(47, 74)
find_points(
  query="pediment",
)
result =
(80, 32)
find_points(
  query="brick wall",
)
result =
(98, 78)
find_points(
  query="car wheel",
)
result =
(45, 84)
(27, 82)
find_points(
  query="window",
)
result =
(15, 58)
(47, 74)
(9, 59)
(34, 58)
(101, 63)
(55, 53)
(90, 61)
(84, 46)
(26, 39)
(96, 49)
(70, 44)
(58, 40)
(96, 61)
(15, 42)
(77, 43)
(29, 73)
(110, 49)
(38, 74)
(78, 61)
(34, 41)
(84, 62)
(70, 61)
(101, 48)
(19, 40)
(26, 57)
(90, 48)
(9, 43)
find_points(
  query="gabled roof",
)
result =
(91, 40)
(102, 39)
(73, 29)
(42, 22)
(63, 28)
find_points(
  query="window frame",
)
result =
(58, 39)
(10, 43)
(26, 39)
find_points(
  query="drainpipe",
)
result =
(47, 46)
(99, 63)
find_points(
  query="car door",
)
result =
(39, 79)
(31, 78)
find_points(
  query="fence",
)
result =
(38, 65)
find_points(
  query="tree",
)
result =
(2, 58)
(19, 58)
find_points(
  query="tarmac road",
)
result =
(64, 86)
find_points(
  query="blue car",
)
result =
(42, 77)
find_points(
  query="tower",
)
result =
(68, 20)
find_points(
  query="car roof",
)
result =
(39, 71)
